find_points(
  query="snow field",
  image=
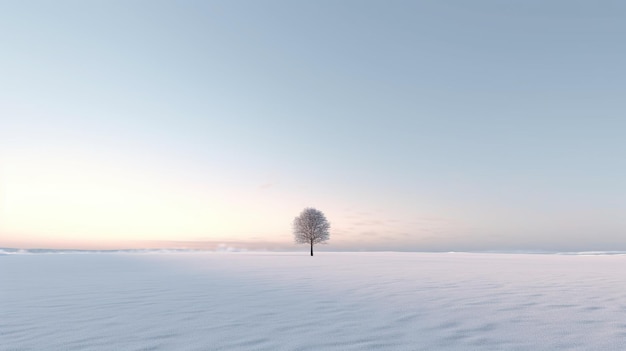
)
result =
(332, 301)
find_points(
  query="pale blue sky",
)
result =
(414, 125)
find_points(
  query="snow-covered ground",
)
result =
(333, 301)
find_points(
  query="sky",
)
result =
(413, 125)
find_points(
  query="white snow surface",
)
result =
(332, 301)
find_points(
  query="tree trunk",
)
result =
(311, 247)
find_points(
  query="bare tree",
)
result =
(311, 227)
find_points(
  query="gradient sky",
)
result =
(413, 125)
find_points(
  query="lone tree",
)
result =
(311, 227)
